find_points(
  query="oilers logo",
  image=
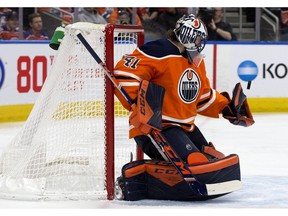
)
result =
(189, 86)
(2, 73)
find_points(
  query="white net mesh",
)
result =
(60, 151)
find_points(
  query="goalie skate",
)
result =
(118, 193)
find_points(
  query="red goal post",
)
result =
(110, 63)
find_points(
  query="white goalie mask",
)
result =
(192, 34)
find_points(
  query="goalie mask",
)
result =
(192, 34)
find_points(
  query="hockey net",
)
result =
(75, 140)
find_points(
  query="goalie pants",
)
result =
(181, 141)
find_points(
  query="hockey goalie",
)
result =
(166, 80)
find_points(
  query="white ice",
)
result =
(263, 152)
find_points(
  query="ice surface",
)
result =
(263, 152)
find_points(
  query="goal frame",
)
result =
(109, 111)
(75, 140)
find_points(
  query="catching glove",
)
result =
(238, 111)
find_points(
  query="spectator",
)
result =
(3, 12)
(9, 31)
(124, 17)
(105, 12)
(26, 12)
(169, 17)
(90, 14)
(147, 14)
(152, 28)
(284, 24)
(113, 19)
(218, 30)
(35, 31)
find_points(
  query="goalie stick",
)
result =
(183, 169)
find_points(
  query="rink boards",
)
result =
(25, 65)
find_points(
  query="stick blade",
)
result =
(223, 187)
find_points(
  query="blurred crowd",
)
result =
(9, 26)
(155, 21)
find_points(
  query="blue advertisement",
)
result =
(247, 70)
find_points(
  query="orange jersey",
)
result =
(187, 88)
